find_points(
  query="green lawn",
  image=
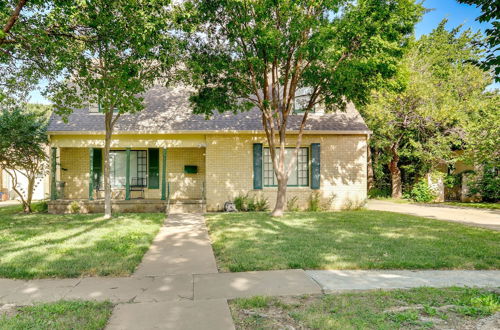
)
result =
(484, 205)
(421, 308)
(45, 245)
(348, 240)
(59, 315)
(494, 206)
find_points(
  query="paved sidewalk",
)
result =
(341, 280)
(484, 218)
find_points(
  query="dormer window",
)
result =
(99, 109)
(301, 101)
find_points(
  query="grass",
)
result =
(494, 206)
(395, 309)
(45, 245)
(348, 240)
(59, 315)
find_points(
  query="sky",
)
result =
(457, 14)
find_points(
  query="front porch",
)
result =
(142, 179)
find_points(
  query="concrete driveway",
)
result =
(484, 218)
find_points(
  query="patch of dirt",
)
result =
(8, 310)
(460, 323)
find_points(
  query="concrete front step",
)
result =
(187, 206)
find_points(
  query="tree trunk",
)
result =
(370, 180)
(29, 193)
(397, 189)
(279, 208)
(107, 170)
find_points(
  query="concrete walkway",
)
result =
(484, 218)
(181, 247)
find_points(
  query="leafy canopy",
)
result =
(24, 138)
(436, 97)
(332, 51)
(490, 13)
(113, 51)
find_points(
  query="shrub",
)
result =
(241, 202)
(379, 193)
(487, 185)
(314, 202)
(261, 204)
(40, 207)
(246, 203)
(421, 192)
(74, 207)
(292, 204)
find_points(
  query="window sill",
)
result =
(287, 188)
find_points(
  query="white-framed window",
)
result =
(299, 176)
(138, 168)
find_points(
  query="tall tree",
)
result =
(26, 54)
(275, 55)
(490, 13)
(114, 51)
(23, 149)
(421, 118)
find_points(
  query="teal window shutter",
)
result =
(257, 166)
(315, 165)
(97, 162)
(154, 168)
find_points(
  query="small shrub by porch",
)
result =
(46, 245)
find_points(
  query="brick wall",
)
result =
(343, 170)
(226, 165)
(74, 169)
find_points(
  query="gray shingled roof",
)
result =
(169, 110)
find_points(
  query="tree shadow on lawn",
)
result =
(71, 246)
(349, 240)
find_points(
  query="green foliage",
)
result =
(247, 203)
(422, 193)
(435, 106)
(482, 305)
(281, 55)
(292, 204)
(379, 193)
(40, 207)
(452, 180)
(348, 240)
(254, 302)
(482, 136)
(487, 185)
(376, 309)
(314, 202)
(409, 317)
(23, 139)
(88, 315)
(120, 50)
(73, 245)
(490, 13)
(74, 207)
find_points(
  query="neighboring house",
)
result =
(40, 191)
(167, 154)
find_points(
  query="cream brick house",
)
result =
(167, 154)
